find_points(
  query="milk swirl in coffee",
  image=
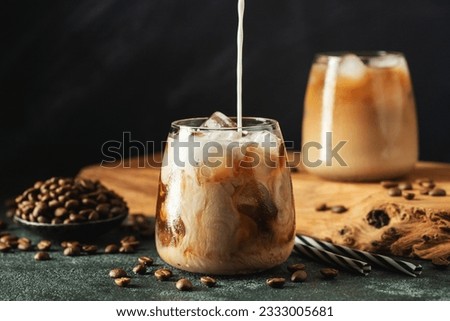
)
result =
(225, 203)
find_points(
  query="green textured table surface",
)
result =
(86, 278)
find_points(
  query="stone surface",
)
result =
(86, 278)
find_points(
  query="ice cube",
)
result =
(351, 66)
(253, 199)
(385, 61)
(218, 120)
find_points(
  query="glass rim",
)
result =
(263, 124)
(366, 54)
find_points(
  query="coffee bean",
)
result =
(208, 281)
(54, 204)
(43, 220)
(90, 249)
(61, 212)
(428, 184)
(72, 204)
(388, 184)
(102, 209)
(276, 282)
(130, 241)
(24, 246)
(4, 247)
(72, 251)
(424, 191)
(394, 192)
(408, 196)
(65, 198)
(93, 216)
(329, 273)
(339, 209)
(321, 207)
(405, 186)
(44, 245)
(440, 262)
(127, 248)
(295, 267)
(145, 260)
(299, 276)
(122, 282)
(89, 203)
(163, 274)
(111, 248)
(66, 244)
(117, 273)
(42, 256)
(437, 192)
(140, 269)
(184, 285)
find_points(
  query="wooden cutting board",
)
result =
(411, 228)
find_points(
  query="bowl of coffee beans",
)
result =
(62, 208)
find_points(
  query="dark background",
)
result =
(74, 74)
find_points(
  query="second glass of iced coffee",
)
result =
(359, 120)
(225, 203)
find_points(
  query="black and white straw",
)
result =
(375, 259)
(332, 258)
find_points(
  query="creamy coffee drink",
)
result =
(225, 206)
(367, 103)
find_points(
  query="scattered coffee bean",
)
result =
(145, 260)
(424, 191)
(90, 249)
(440, 262)
(276, 282)
(329, 273)
(24, 244)
(4, 247)
(409, 196)
(389, 184)
(163, 274)
(127, 248)
(437, 192)
(130, 240)
(42, 256)
(321, 207)
(140, 269)
(295, 267)
(405, 186)
(378, 218)
(117, 273)
(111, 248)
(122, 282)
(299, 276)
(394, 192)
(44, 245)
(184, 285)
(338, 209)
(66, 244)
(3, 225)
(430, 184)
(426, 182)
(10, 240)
(208, 281)
(72, 251)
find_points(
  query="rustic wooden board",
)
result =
(416, 228)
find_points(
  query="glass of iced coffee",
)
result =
(359, 121)
(225, 203)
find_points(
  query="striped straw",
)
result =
(375, 259)
(332, 258)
